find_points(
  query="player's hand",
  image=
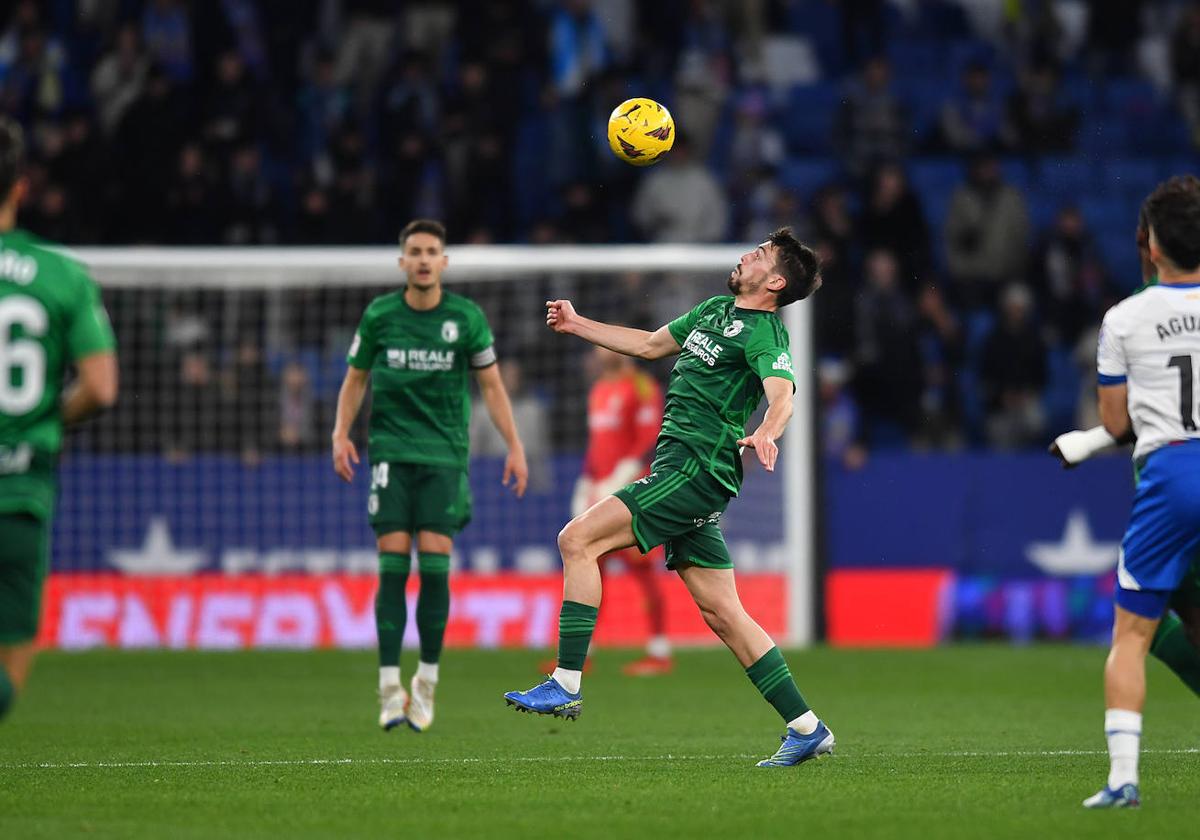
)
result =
(1062, 459)
(764, 447)
(516, 472)
(560, 315)
(344, 457)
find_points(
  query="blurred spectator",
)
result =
(894, 220)
(862, 29)
(408, 99)
(703, 76)
(577, 48)
(33, 66)
(530, 415)
(119, 77)
(84, 170)
(193, 404)
(1071, 286)
(832, 222)
(323, 104)
(1013, 374)
(366, 34)
(839, 415)
(1113, 32)
(583, 218)
(249, 218)
(352, 191)
(987, 234)
(835, 308)
(147, 143)
(872, 124)
(232, 108)
(167, 33)
(1038, 123)
(194, 209)
(248, 385)
(680, 200)
(757, 143)
(1185, 66)
(972, 120)
(298, 416)
(942, 348)
(769, 207)
(887, 355)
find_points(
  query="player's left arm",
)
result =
(91, 343)
(779, 411)
(495, 397)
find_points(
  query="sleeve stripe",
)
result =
(484, 358)
(1105, 379)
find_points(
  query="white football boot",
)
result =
(392, 702)
(420, 704)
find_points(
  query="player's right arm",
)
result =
(91, 345)
(350, 397)
(562, 318)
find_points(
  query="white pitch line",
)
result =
(321, 762)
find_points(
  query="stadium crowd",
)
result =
(970, 170)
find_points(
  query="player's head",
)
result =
(423, 253)
(12, 163)
(1172, 214)
(785, 268)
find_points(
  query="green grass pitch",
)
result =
(968, 741)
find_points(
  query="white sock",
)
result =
(806, 724)
(428, 672)
(1124, 732)
(568, 679)
(659, 647)
(389, 677)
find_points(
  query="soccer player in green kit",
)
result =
(50, 317)
(418, 345)
(732, 350)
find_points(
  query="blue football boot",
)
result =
(797, 748)
(548, 698)
(1126, 797)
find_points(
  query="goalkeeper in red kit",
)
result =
(625, 412)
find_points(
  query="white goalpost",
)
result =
(300, 305)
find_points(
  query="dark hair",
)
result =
(12, 155)
(798, 264)
(430, 226)
(1173, 213)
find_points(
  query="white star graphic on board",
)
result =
(158, 554)
(1077, 553)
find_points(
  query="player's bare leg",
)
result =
(715, 593)
(1124, 696)
(15, 663)
(391, 618)
(603, 528)
(433, 609)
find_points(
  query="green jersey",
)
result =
(717, 381)
(420, 363)
(50, 316)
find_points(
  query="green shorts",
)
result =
(1187, 595)
(418, 497)
(24, 540)
(679, 505)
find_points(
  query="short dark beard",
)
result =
(734, 283)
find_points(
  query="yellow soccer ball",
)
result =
(640, 131)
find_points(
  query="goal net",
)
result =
(203, 510)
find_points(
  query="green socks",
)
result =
(391, 610)
(773, 680)
(1172, 647)
(6, 693)
(575, 625)
(433, 604)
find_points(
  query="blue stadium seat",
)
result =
(1016, 172)
(808, 118)
(1129, 178)
(1129, 96)
(1179, 165)
(1062, 388)
(1104, 137)
(1065, 176)
(806, 175)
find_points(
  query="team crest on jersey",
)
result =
(450, 332)
(733, 329)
